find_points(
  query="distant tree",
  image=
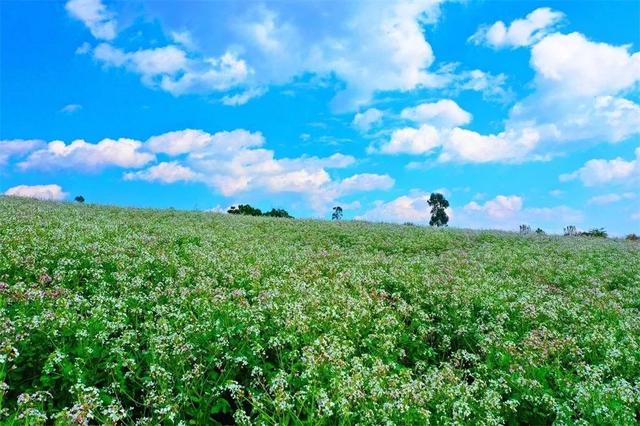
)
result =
(595, 232)
(570, 231)
(525, 229)
(409, 224)
(245, 209)
(79, 199)
(438, 204)
(632, 237)
(539, 231)
(337, 213)
(278, 213)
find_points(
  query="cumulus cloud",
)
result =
(509, 211)
(521, 32)
(243, 97)
(41, 192)
(499, 208)
(572, 63)
(95, 16)
(363, 121)
(611, 198)
(235, 162)
(169, 172)
(171, 69)
(578, 97)
(81, 155)
(406, 208)
(17, 148)
(599, 171)
(409, 140)
(443, 113)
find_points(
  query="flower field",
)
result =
(130, 316)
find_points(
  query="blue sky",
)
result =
(519, 112)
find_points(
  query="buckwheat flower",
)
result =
(45, 279)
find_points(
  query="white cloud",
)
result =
(16, 148)
(599, 171)
(363, 121)
(443, 113)
(41, 192)
(170, 68)
(83, 49)
(82, 155)
(147, 62)
(406, 208)
(509, 211)
(491, 86)
(611, 198)
(95, 17)
(184, 38)
(170, 172)
(365, 182)
(576, 66)
(243, 97)
(71, 108)
(234, 163)
(521, 32)
(461, 145)
(574, 100)
(468, 146)
(412, 141)
(499, 208)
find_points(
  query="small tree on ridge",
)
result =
(438, 204)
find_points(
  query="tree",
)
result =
(278, 213)
(539, 231)
(438, 204)
(337, 213)
(570, 231)
(79, 199)
(595, 232)
(525, 229)
(245, 209)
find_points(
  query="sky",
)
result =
(518, 112)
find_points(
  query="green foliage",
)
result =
(540, 231)
(632, 237)
(133, 316)
(595, 232)
(79, 199)
(337, 213)
(278, 213)
(245, 209)
(438, 204)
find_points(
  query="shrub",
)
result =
(595, 232)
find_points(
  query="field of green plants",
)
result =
(130, 316)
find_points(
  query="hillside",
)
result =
(113, 315)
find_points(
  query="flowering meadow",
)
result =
(132, 316)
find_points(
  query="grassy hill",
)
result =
(123, 316)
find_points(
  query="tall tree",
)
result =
(438, 204)
(337, 213)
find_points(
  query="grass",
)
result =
(128, 316)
